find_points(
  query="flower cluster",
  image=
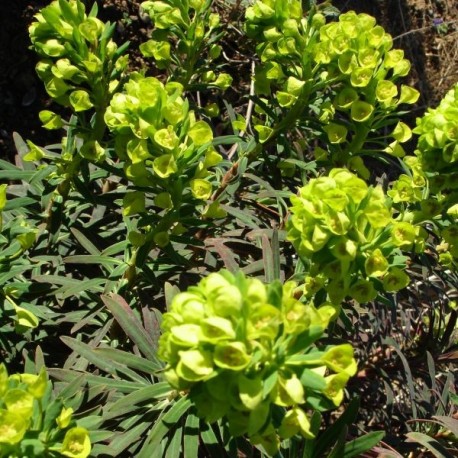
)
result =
(245, 351)
(346, 232)
(34, 425)
(77, 54)
(276, 25)
(192, 29)
(357, 54)
(437, 147)
(348, 65)
(162, 145)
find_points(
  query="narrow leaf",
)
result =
(437, 449)
(362, 444)
(131, 325)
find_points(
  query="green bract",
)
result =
(437, 147)
(346, 231)
(240, 348)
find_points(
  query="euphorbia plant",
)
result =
(337, 80)
(166, 151)
(185, 42)
(16, 237)
(244, 359)
(81, 67)
(248, 353)
(430, 187)
(346, 233)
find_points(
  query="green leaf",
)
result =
(95, 284)
(162, 427)
(448, 422)
(3, 188)
(122, 441)
(191, 436)
(211, 441)
(149, 393)
(174, 447)
(338, 449)
(330, 435)
(85, 242)
(106, 365)
(124, 386)
(362, 444)
(130, 360)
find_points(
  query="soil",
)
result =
(426, 29)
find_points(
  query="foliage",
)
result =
(219, 302)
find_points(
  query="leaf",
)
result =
(431, 444)
(448, 422)
(91, 259)
(191, 436)
(170, 292)
(106, 365)
(120, 443)
(131, 326)
(85, 242)
(24, 175)
(225, 254)
(130, 360)
(123, 386)
(408, 373)
(149, 393)
(22, 149)
(95, 284)
(19, 202)
(211, 442)
(174, 448)
(338, 450)
(251, 221)
(268, 259)
(325, 440)
(163, 426)
(362, 444)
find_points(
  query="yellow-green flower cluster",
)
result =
(23, 432)
(161, 141)
(244, 351)
(357, 55)
(78, 57)
(437, 147)
(346, 71)
(194, 28)
(346, 232)
(276, 24)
